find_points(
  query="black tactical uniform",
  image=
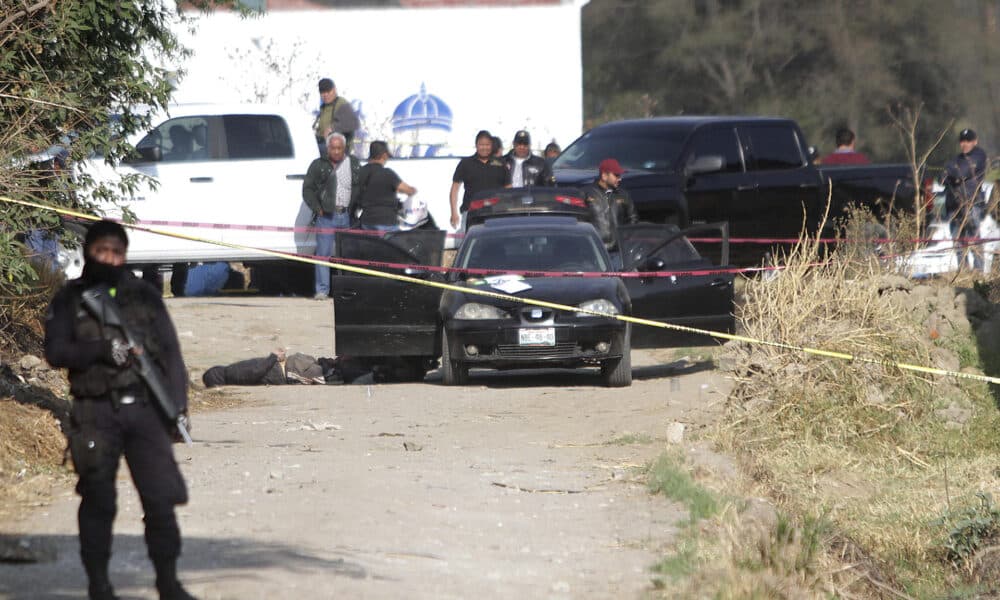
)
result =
(113, 414)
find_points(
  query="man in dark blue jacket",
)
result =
(965, 202)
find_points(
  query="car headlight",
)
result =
(475, 311)
(600, 305)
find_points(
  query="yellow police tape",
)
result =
(532, 302)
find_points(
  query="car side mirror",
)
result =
(150, 153)
(709, 163)
(652, 264)
(812, 153)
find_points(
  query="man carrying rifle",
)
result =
(112, 332)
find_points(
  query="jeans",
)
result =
(324, 246)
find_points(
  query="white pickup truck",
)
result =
(233, 173)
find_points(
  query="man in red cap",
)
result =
(610, 205)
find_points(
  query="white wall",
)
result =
(500, 69)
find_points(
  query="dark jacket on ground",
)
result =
(319, 188)
(610, 209)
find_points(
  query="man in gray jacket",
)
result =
(329, 190)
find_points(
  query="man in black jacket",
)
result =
(524, 168)
(113, 411)
(965, 202)
(329, 189)
(610, 205)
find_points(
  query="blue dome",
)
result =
(421, 111)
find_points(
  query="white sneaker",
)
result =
(321, 296)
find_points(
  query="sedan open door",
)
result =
(376, 317)
(682, 287)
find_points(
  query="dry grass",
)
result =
(31, 451)
(864, 443)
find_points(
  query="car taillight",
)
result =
(483, 203)
(571, 200)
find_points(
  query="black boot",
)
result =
(99, 586)
(101, 591)
(166, 580)
(174, 592)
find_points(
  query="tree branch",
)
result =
(26, 11)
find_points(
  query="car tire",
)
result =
(453, 372)
(617, 372)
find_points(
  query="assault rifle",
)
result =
(98, 301)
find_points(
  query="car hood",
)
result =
(560, 290)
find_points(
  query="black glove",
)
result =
(119, 353)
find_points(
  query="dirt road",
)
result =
(520, 485)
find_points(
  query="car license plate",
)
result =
(538, 336)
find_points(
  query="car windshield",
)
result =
(534, 251)
(646, 150)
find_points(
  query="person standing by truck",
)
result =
(114, 412)
(379, 185)
(610, 205)
(481, 171)
(336, 115)
(329, 189)
(965, 202)
(845, 154)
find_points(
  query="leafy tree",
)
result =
(827, 64)
(65, 69)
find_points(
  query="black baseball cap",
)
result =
(326, 84)
(967, 135)
(377, 149)
(522, 137)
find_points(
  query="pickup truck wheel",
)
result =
(617, 372)
(453, 372)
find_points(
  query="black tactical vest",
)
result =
(100, 378)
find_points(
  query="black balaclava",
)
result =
(98, 272)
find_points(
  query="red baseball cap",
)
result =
(610, 165)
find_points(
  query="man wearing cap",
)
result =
(524, 168)
(377, 199)
(329, 189)
(336, 115)
(610, 205)
(479, 172)
(965, 203)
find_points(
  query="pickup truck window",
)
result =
(774, 147)
(644, 150)
(717, 142)
(184, 139)
(257, 136)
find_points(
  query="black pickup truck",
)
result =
(753, 172)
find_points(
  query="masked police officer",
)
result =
(113, 413)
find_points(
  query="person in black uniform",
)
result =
(479, 172)
(113, 413)
(965, 202)
(379, 185)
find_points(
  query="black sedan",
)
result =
(486, 331)
(377, 319)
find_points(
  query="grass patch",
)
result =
(887, 455)
(667, 476)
